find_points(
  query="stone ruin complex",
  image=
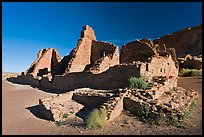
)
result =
(94, 67)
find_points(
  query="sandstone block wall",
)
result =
(138, 50)
(46, 60)
(115, 77)
(160, 66)
(89, 99)
(98, 47)
(103, 56)
(80, 56)
(88, 32)
(61, 66)
(133, 106)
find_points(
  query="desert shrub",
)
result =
(97, 119)
(189, 110)
(60, 123)
(190, 72)
(145, 111)
(65, 115)
(173, 119)
(138, 83)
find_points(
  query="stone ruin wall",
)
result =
(46, 59)
(61, 66)
(137, 50)
(115, 77)
(160, 66)
(80, 56)
(90, 99)
(104, 72)
(103, 62)
(154, 60)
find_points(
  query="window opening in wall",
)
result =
(147, 69)
(103, 53)
(164, 70)
(167, 63)
(160, 70)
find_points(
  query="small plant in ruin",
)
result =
(60, 123)
(97, 119)
(139, 83)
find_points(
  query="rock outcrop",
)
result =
(186, 41)
(191, 62)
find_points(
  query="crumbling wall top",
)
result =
(88, 32)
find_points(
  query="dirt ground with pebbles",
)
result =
(19, 115)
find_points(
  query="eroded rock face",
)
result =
(186, 41)
(46, 60)
(192, 62)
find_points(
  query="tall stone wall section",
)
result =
(44, 63)
(103, 56)
(138, 50)
(61, 66)
(81, 54)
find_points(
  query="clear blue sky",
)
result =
(31, 26)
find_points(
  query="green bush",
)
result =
(138, 83)
(60, 123)
(97, 119)
(145, 111)
(65, 115)
(190, 72)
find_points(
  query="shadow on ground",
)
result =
(35, 111)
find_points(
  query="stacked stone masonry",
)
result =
(98, 65)
(170, 102)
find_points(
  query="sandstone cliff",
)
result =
(186, 41)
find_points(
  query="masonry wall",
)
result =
(110, 50)
(80, 56)
(46, 60)
(131, 105)
(93, 101)
(115, 77)
(103, 56)
(61, 66)
(160, 66)
(135, 51)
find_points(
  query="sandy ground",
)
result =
(19, 115)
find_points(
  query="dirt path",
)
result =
(19, 101)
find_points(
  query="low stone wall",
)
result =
(53, 108)
(114, 106)
(115, 77)
(26, 80)
(90, 99)
(132, 105)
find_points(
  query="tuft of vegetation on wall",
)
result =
(139, 83)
